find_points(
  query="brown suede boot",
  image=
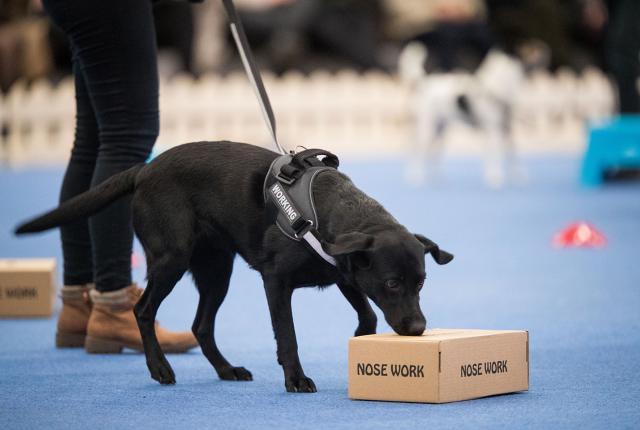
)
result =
(72, 322)
(112, 325)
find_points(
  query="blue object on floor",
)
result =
(579, 305)
(614, 145)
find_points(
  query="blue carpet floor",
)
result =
(581, 307)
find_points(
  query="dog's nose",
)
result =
(415, 327)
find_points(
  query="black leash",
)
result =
(302, 226)
(253, 73)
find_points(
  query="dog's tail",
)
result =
(84, 204)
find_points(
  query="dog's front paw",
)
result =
(364, 330)
(367, 326)
(300, 385)
(235, 374)
(162, 372)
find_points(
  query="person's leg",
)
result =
(122, 77)
(115, 52)
(117, 55)
(76, 241)
(71, 328)
(114, 42)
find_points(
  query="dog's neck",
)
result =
(343, 208)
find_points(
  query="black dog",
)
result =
(197, 205)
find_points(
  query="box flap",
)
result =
(434, 335)
(27, 264)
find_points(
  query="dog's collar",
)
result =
(288, 196)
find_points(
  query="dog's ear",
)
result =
(348, 243)
(430, 247)
(353, 245)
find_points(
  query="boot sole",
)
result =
(69, 340)
(95, 345)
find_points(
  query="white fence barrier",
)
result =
(353, 115)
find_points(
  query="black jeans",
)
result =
(117, 122)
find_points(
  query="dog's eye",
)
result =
(392, 284)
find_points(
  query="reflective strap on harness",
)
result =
(314, 243)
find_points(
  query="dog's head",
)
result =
(390, 269)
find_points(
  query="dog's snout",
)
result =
(412, 327)
(416, 328)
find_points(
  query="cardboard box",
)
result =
(442, 365)
(27, 287)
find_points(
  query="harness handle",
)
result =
(329, 160)
(302, 160)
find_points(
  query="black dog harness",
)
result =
(288, 189)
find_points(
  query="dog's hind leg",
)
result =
(435, 150)
(211, 272)
(163, 274)
(367, 319)
(515, 172)
(426, 152)
(494, 171)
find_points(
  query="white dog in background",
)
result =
(484, 100)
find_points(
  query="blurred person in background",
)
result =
(174, 24)
(454, 31)
(516, 23)
(605, 33)
(24, 51)
(291, 30)
(588, 24)
(113, 46)
(623, 51)
(458, 33)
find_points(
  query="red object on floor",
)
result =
(580, 235)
